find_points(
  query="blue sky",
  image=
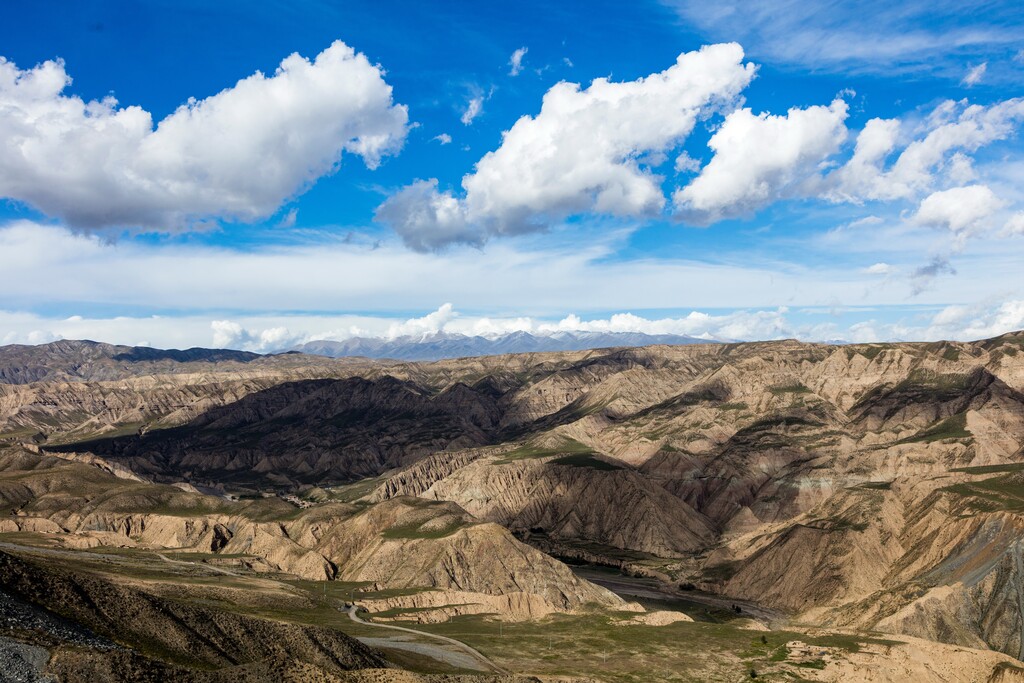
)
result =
(823, 170)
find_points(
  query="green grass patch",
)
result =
(997, 494)
(811, 664)
(954, 427)
(586, 460)
(18, 434)
(530, 452)
(920, 386)
(599, 646)
(738, 405)
(991, 469)
(876, 485)
(349, 493)
(790, 389)
(927, 379)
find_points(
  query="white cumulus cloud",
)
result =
(761, 158)
(580, 153)
(428, 324)
(879, 269)
(236, 155)
(686, 164)
(980, 321)
(952, 130)
(1014, 225)
(960, 210)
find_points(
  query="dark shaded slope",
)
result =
(925, 399)
(310, 431)
(137, 354)
(177, 633)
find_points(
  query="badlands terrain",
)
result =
(777, 510)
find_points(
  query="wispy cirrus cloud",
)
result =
(874, 36)
(515, 62)
(975, 74)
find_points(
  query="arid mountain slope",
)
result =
(875, 486)
(186, 634)
(823, 481)
(404, 544)
(66, 411)
(311, 432)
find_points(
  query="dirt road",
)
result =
(440, 652)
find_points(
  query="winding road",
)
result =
(476, 654)
(432, 651)
(212, 568)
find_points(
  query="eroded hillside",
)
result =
(870, 487)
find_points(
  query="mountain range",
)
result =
(800, 511)
(440, 345)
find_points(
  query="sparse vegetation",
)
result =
(586, 460)
(931, 380)
(708, 480)
(871, 352)
(790, 389)
(991, 469)
(1004, 493)
(954, 427)
(565, 447)
(812, 664)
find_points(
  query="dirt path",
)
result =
(459, 660)
(212, 568)
(476, 654)
(466, 658)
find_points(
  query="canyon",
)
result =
(846, 490)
